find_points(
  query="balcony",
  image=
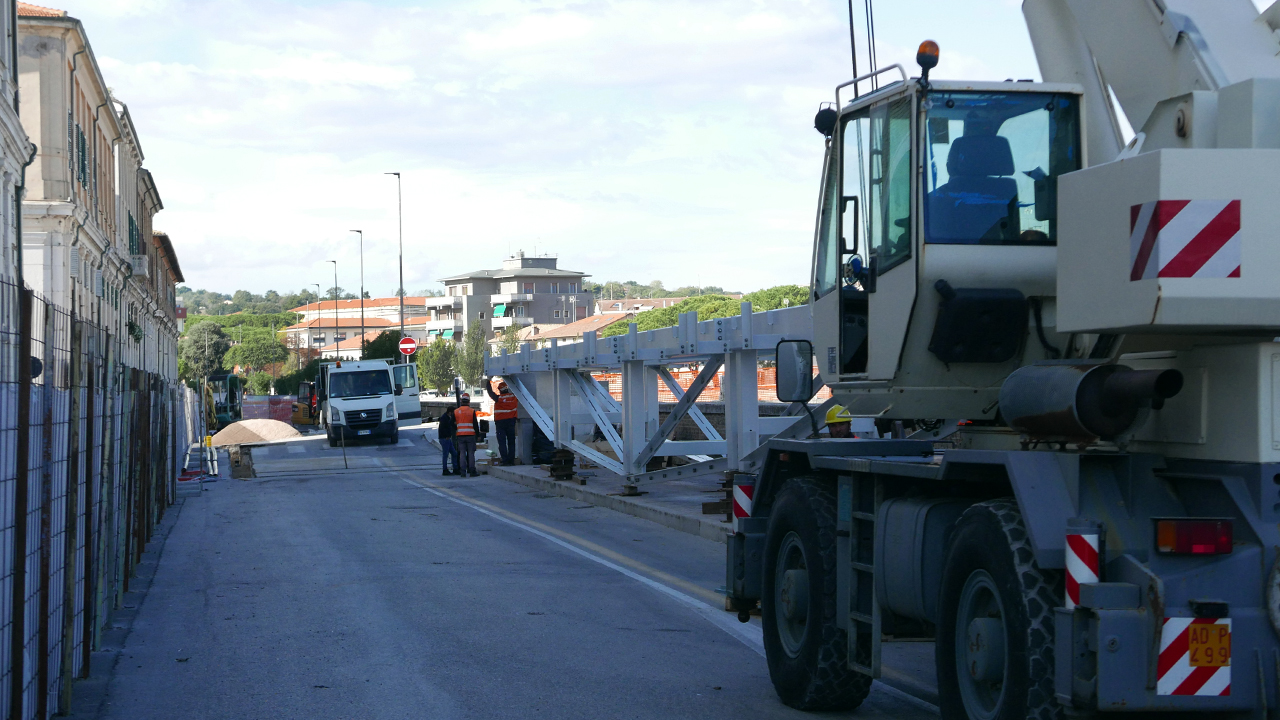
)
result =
(443, 302)
(440, 325)
(139, 265)
(510, 298)
(504, 322)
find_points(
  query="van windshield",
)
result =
(360, 383)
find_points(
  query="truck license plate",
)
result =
(363, 432)
(1209, 645)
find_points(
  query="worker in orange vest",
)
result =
(504, 416)
(465, 435)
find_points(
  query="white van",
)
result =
(359, 399)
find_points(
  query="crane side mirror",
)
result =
(795, 371)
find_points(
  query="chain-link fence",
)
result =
(89, 455)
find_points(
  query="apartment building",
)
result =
(524, 291)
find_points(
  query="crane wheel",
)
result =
(807, 652)
(994, 650)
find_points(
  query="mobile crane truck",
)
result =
(1084, 335)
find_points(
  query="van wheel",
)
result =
(807, 652)
(995, 632)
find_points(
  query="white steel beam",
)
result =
(741, 394)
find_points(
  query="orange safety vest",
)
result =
(504, 408)
(466, 417)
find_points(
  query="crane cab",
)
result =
(935, 248)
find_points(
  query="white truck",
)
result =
(363, 399)
(1084, 338)
(1068, 347)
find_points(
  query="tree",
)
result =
(714, 306)
(256, 352)
(470, 361)
(509, 340)
(386, 346)
(777, 297)
(202, 349)
(260, 383)
(435, 365)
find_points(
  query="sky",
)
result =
(637, 140)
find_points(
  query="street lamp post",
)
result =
(400, 214)
(335, 311)
(362, 292)
(318, 296)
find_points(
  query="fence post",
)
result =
(17, 602)
(71, 514)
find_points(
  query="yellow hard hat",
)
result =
(838, 414)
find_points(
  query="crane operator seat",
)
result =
(979, 200)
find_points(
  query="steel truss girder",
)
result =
(734, 343)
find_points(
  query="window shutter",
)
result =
(71, 140)
(97, 283)
(73, 262)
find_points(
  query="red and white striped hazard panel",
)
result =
(1082, 565)
(1195, 657)
(742, 495)
(1184, 239)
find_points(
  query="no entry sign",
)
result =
(408, 346)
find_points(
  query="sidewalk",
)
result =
(676, 504)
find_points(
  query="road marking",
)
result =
(749, 634)
(296, 449)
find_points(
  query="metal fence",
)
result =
(89, 456)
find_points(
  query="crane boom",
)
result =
(1150, 52)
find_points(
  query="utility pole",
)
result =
(335, 310)
(362, 292)
(400, 215)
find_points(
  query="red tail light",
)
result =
(1193, 536)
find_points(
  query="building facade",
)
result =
(87, 239)
(15, 147)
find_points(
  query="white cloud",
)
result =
(639, 139)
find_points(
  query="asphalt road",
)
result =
(388, 591)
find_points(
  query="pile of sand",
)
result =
(254, 431)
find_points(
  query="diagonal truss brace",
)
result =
(708, 430)
(681, 409)
(588, 390)
(543, 420)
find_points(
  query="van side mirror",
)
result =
(399, 389)
(795, 371)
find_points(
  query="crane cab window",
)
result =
(877, 170)
(992, 165)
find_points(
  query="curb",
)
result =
(704, 528)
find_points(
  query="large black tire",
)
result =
(991, 574)
(809, 666)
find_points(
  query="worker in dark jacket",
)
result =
(504, 417)
(448, 449)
